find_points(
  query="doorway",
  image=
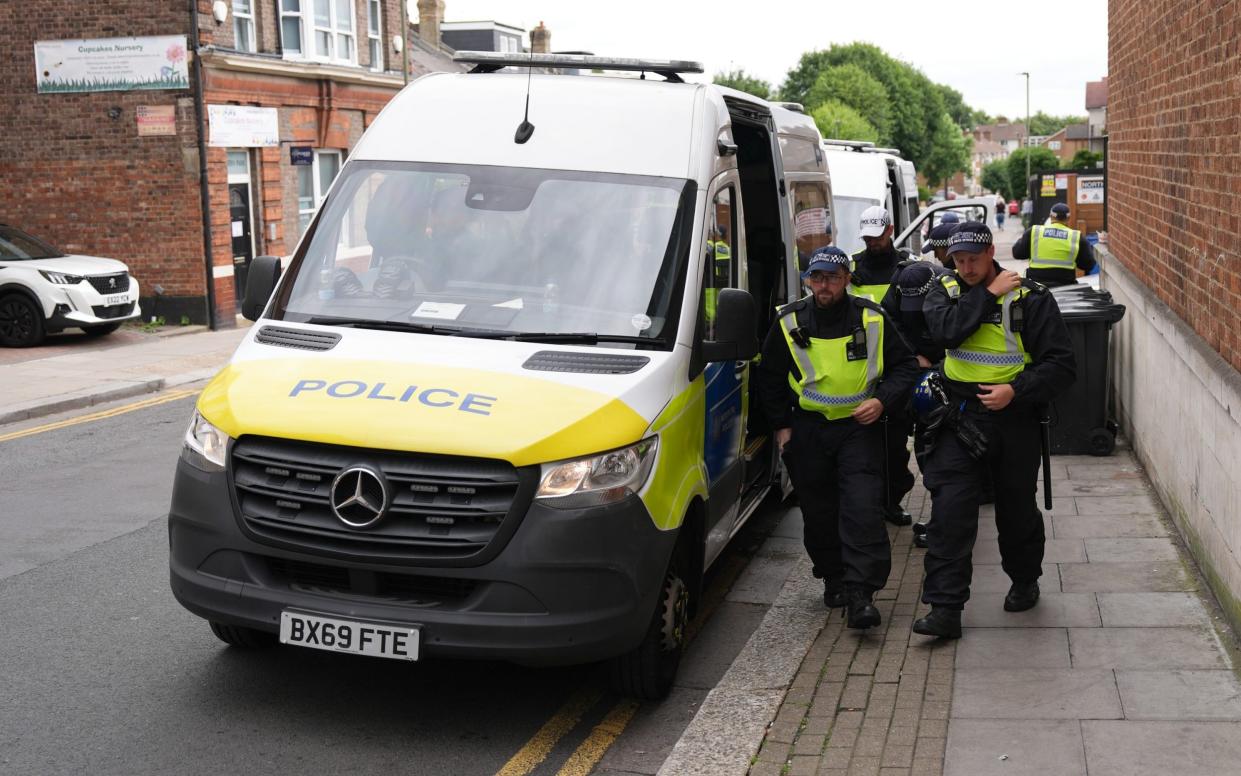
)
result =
(240, 217)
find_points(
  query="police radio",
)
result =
(1016, 316)
(855, 349)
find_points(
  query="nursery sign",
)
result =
(111, 64)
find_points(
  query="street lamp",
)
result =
(1027, 75)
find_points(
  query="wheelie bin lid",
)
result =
(1084, 303)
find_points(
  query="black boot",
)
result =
(941, 621)
(919, 530)
(834, 594)
(897, 516)
(861, 612)
(1021, 596)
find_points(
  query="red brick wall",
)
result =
(1174, 157)
(84, 181)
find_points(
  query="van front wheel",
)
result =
(239, 636)
(648, 671)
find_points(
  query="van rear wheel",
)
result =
(648, 671)
(240, 636)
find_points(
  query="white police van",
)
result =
(498, 406)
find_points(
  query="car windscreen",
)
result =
(848, 222)
(494, 249)
(16, 245)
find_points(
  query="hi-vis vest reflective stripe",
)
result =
(874, 293)
(1053, 247)
(994, 353)
(831, 384)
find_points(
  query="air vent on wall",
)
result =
(584, 363)
(303, 339)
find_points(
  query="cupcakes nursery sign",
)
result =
(111, 64)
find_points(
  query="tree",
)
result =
(950, 151)
(853, 86)
(995, 178)
(965, 116)
(739, 80)
(1041, 159)
(840, 122)
(1085, 159)
(1044, 124)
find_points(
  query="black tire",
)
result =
(649, 670)
(240, 636)
(21, 321)
(1102, 441)
(99, 331)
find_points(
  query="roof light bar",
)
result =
(856, 144)
(491, 61)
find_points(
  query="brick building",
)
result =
(1174, 259)
(88, 180)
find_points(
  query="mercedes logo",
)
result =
(359, 497)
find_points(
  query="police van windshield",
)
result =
(848, 221)
(473, 249)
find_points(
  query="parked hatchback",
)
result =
(43, 291)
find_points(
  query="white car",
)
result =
(44, 291)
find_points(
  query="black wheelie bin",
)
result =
(1079, 416)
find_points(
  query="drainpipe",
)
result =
(204, 192)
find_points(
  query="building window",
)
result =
(313, 182)
(243, 26)
(374, 36)
(319, 29)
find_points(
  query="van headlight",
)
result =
(205, 444)
(597, 479)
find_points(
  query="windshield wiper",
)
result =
(566, 337)
(357, 323)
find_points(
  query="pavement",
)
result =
(1124, 667)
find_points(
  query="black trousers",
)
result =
(899, 479)
(836, 468)
(956, 482)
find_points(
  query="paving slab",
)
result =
(1152, 610)
(1054, 551)
(1013, 648)
(990, 578)
(1054, 610)
(1129, 577)
(1145, 648)
(1186, 694)
(1118, 505)
(1035, 693)
(1018, 747)
(987, 531)
(1136, 748)
(1130, 549)
(1107, 526)
(1128, 469)
(1128, 486)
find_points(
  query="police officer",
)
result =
(830, 366)
(873, 271)
(1055, 250)
(937, 242)
(1007, 354)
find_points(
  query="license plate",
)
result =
(115, 299)
(352, 636)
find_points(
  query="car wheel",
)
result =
(240, 636)
(99, 331)
(648, 671)
(21, 322)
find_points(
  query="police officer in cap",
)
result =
(1055, 250)
(830, 366)
(937, 242)
(873, 271)
(1008, 353)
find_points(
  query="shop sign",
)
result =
(111, 64)
(243, 126)
(1090, 191)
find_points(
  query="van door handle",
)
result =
(739, 367)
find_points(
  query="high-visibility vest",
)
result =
(831, 383)
(1053, 247)
(994, 353)
(722, 254)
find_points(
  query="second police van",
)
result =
(498, 406)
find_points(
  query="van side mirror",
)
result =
(261, 282)
(736, 317)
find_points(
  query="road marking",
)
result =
(163, 398)
(544, 740)
(591, 751)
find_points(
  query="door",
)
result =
(240, 217)
(975, 209)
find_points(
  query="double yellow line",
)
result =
(584, 758)
(162, 398)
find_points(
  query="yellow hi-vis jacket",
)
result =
(831, 383)
(994, 353)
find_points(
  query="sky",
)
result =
(976, 48)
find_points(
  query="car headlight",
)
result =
(205, 444)
(61, 278)
(597, 479)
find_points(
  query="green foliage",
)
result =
(1085, 159)
(153, 325)
(965, 116)
(737, 79)
(853, 86)
(1041, 159)
(924, 194)
(950, 150)
(1044, 124)
(185, 320)
(995, 178)
(840, 122)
